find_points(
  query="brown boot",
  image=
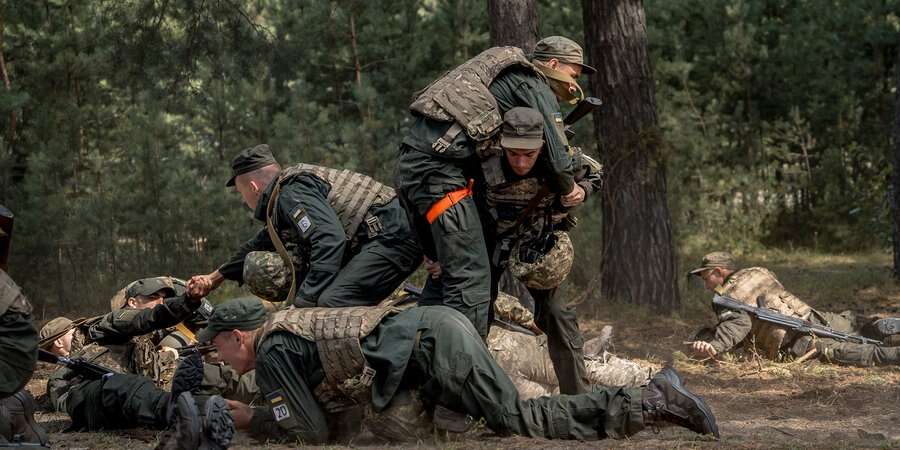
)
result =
(19, 426)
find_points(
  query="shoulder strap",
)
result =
(276, 241)
(532, 204)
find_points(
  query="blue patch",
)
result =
(301, 219)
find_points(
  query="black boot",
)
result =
(187, 378)
(22, 427)
(887, 327)
(212, 431)
(666, 401)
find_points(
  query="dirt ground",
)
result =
(758, 404)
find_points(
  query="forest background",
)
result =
(119, 119)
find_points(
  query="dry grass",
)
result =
(759, 404)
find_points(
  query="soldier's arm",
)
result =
(290, 410)
(589, 175)
(517, 88)
(127, 323)
(304, 204)
(234, 268)
(732, 328)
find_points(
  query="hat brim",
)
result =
(699, 270)
(207, 334)
(230, 182)
(586, 69)
(521, 142)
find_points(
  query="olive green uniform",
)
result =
(333, 269)
(132, 396)
(438, 351)
(737, 327)
(425, 174)
(553, 314)
(18, 338)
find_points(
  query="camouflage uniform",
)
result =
(757, 286)
(453, 119)
(18, 338)
(345, 234)
(525, 358)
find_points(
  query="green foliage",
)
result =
(776, 116)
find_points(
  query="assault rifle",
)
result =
(6, 226)
(583, 108)
(188, 350)
(79, 366)
(791, 323)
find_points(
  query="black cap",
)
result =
(250, 159)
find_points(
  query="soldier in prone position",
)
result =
(304, 364)
(346, 237)
(455, 118)
(757, 286)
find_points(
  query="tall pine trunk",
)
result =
(894, 190)
(637, 249)
(514, 22)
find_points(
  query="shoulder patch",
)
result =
(557, 117)
(300, 217)
(279, 408)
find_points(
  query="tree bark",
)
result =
(894, 191)
(637, 249)
(513, 22)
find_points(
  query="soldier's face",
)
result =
(147, 301)
(235, 348)
(63, 345)
(712, 279)
(521, 161)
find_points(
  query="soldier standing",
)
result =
(455, 118)
(757, 286)
(345, 236)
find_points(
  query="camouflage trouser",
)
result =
(117, 401)
(849, 353)
(18, 352)
(456, 239)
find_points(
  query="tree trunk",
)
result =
(894, 190)
(513, 22)
(638, 253)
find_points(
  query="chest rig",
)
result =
(351, 195)
(337, 333)
(757, 286)
(462, 96)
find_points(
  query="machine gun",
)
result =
(79, 366)
(6, 227)
(188, 350)
(583, 108)
(792, 323)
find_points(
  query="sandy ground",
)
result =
(758, 404)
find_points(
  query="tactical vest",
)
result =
(11, 297)
(748, 285)
(351, 195)
(462, 94)
(337, 333)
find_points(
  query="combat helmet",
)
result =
(544, 263)
(267, 276)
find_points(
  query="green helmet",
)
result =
(544, 264)
(267, 276)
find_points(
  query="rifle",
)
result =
(188, 350)
(6, 228)
(583, 108)
(79, 366)
(792, 323)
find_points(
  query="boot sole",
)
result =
(675, 380)
(219, 428)
(888, 327)
(188, 437)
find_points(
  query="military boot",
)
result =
(887, 327)
(19, 425)
(212, 431)
(187, 378)
(666, 401)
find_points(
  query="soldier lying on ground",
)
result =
(123, 340)
(525, 358)
(305, 363)
(348, 240)
(757, 286)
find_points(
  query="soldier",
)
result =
(758, 286)
(18, 353)
(302, 369)
(343, 233)
(455, 118)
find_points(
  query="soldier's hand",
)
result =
(703, 347)
(242, 413)
(573, 198)
(433, 267)
(201, 285)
